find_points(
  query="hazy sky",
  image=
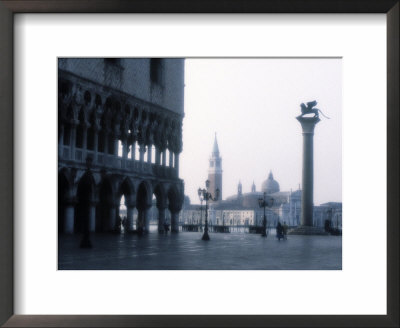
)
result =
(252, 105)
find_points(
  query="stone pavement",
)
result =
(186, 251)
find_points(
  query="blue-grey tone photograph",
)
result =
(199, 164)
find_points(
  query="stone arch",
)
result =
(85, 206)
(127, 190)
(161, 194)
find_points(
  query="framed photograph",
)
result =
(162, 165)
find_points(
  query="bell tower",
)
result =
(215, 170)
(253, 187)
(240, 189)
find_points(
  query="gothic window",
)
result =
(156, 70)
(212, 164)
(102, 141)
(111, 147)
(90, 138)
(79, 130)
(79, 136)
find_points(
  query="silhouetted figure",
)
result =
(124, 223)
(85, 242)
(279, 231)
(285, 230)
(328, 226)
(119, 224)
(166, 227)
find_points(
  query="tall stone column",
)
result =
(69, 217)
(143, 219)
(307, 196)
(175, 220)
(92, 217)
(161, 218)
(146, 218)
(129, 218)
(112, 220)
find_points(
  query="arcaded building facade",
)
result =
(119, 137)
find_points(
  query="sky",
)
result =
(251, 104)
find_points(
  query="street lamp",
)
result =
(263, 203)
(203, 193)
(199, 192)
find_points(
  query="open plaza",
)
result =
(186, 251)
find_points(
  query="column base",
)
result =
(308, 231)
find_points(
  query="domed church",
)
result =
(270, 185)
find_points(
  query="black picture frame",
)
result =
(10, 7)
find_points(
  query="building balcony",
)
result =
(114, 162)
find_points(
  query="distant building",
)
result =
(331, 211)
(243, 208)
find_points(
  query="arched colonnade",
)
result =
(93, 199)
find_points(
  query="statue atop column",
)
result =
(309, 109)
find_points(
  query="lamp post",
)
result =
(203, 193)
(201, 207)
(263, 203)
